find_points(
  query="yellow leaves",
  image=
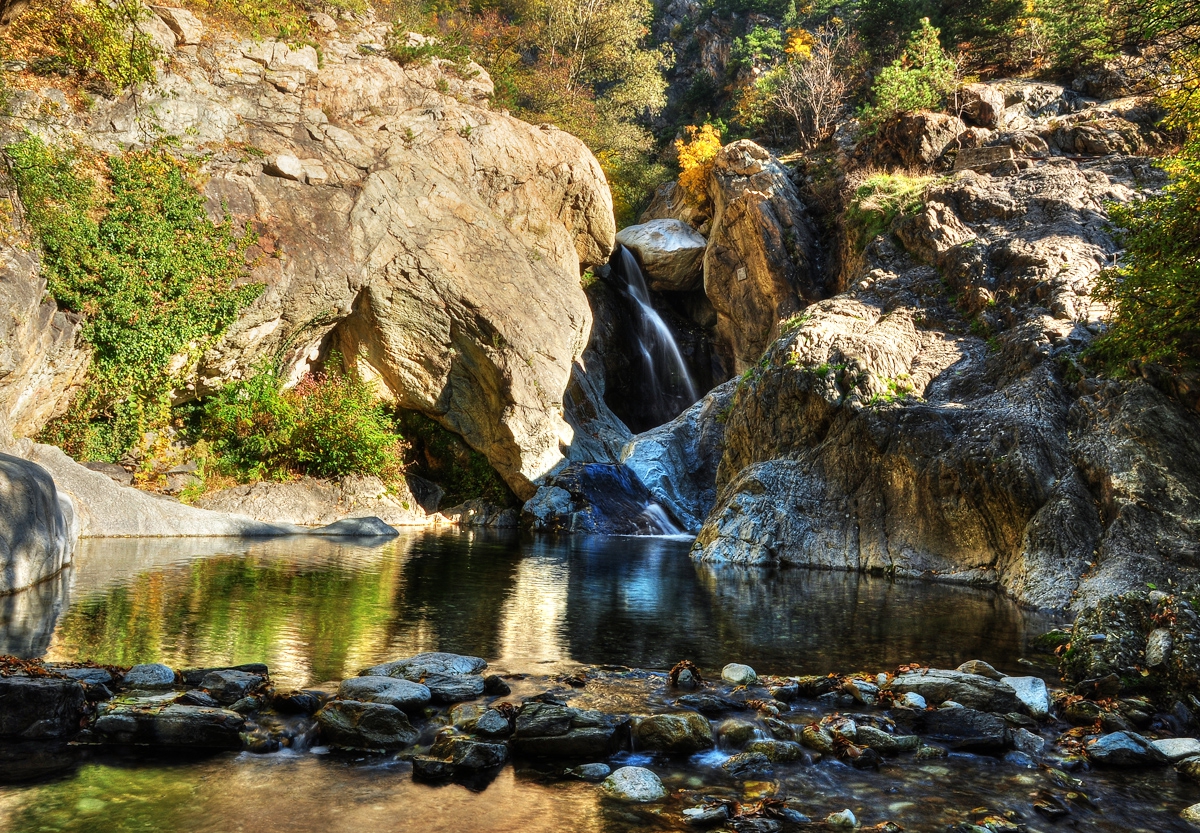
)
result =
(696, 157)
(799, 44)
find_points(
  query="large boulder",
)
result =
(39, 708)
(982, 105)
(680, 734)
(403, 694)
(919, 139)
(169, 726)
(671, 253)
(971, 690)
(759, 268)
(544, 730)
(357, 725)
(38, 527)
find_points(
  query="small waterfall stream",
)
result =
(666, 381)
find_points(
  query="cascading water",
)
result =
(667, 384)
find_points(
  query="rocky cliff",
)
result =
(936, 420)
(435, 242)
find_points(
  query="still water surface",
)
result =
(317, 611)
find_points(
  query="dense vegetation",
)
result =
(126, 242)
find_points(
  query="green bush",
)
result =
(879, 201)
(153, 277)
(1154, 296)
(330, 425)
(920, 79)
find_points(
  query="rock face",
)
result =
(599, 498)
(901, 430)
(38, 527)
(436, 243)
(759, 267)
(677, 462)
(671, 253)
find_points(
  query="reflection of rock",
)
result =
(38, 525)
(28, 617)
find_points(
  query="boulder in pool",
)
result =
(634, 784)
(431, 662)
(403, 694)
(967, 730)
(544, 730)
(972, 690)
(369, 527)
(680, 734)
(229, 686)
(1128, 749)
(597, 498)
(36, 708)
(173, 726)
(356, 725)
(149, 676)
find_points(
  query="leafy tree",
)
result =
(696, 158)
(920, 79)
(811, 87)
(760, 44)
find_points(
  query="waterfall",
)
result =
(666, 382)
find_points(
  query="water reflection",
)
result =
(321, 610)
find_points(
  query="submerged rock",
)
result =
(635, 784)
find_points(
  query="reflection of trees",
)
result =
(311, 609)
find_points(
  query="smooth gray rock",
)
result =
(431, 662)
(454, 688)
(739, 675)
(149, 676)
(38, 528)
(970, 690)
(349, 723)
(1125, 749)
(36, 708)
(965, 729)
(1029, 743)
(92, 676)
(403, 694)
(492, 724)
(548, 731)
(1032, 693)
(170, 726)
(671, 253)
(591, 772)
(1177, 749)
(634, 784)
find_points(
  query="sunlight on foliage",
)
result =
(696, 157)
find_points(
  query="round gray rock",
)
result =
(149, 676)
(431, 662)
(670, 251)
(737, 674)
(635, 784)
(403, 694)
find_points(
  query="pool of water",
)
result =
(317, 611)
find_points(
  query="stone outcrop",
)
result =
(435, 242)
(312, 502)
(760, 267)
(38, 527)
(671, 253)
(901, 430)
(597, 498)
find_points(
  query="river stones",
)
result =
(887, 744)
(229, 686)
(549, 731)
(90, 676)
(740, 675)
(38, 708)
(591, 772)
(680, 734)
(1127, 749)
(748, 766)
(736, 733)
(297, 702)
(196, 697)
(634, 784)
(709, 704)
(980, 668)
(971, 690)
(150, 676)
(777, 751)
(469, 755)
(358, 725)
(454, 688)
(193, 676)
(1032, 693)
(403, 694)
(175, 725)
(492, 724)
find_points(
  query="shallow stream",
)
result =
(319, 611)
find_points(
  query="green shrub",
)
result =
(330, 425)
(920, 79)
(880, 201)
(759, 44)
(1154, 295)
(153, 277)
